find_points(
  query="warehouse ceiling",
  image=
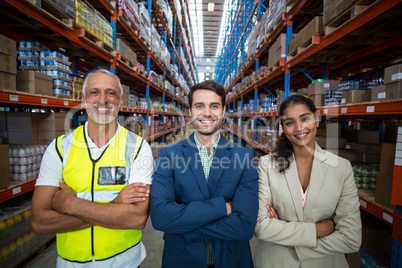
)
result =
(206, 25)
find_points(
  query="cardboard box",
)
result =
(355, 96)
(8, 64)
(320, 87)
(372, 158)
(34, 82)
(333, 129)
(3, 121)
(126, 51)
(378, 93)
(364, 148)
(387, 159)
(393, 90)
(371, 137)
(383, 191)
(302, 91)
(4, 167)
(8, 81)
(393, 74)
(277, 50)
(330, 142)
(45, 137)
(50, 122)
(20, 137)
(8, 46)
(318, 100)
(350, 134)
(374, 237)
(351, 155)
(19, 121)
(391, 131)
(314, 26)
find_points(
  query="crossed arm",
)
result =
(214, 218)
(59, 210)
(312, 240)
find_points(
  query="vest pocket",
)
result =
(111, 175)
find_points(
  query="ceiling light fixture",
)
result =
(208, 59)
(211, 7)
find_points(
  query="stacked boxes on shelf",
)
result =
(132, 101)
(385, 176)
(276, 10)
(317, 90)
(25, 161)
(277, 51)
(17, 240)
(130, 10)
(393, 82)
(155, 42)
(54, 67)
(64, 6)
(126, 92)
(77, 87)
(126, 51)
(35, 128)
(303, 37)
(365, 176)
(167, 12)
(132, 123)
(334, 8)
(145, 23)
(252, 40)
(8, 63)
(90, 19)
(356, 91)
(165, 55)
(268, 103)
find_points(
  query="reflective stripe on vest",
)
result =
(97, 180)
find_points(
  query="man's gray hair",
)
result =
(102, 71)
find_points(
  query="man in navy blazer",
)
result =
(205, 191)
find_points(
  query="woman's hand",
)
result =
(325, 228)
(273, 215)
(271, 211)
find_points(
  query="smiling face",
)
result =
(206, 112)
(102, 98)
(300, 125)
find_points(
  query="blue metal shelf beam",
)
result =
(239, 23)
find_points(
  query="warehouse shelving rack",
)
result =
(76, 41)
(109, 56)
(374, 52)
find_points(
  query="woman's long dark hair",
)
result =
(283, 152)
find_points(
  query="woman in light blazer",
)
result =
(308, 204)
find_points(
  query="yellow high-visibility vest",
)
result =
(97, 180)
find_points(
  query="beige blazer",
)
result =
(332, 194)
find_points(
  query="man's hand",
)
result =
(228, 208)
(62, 199)
(132, 193)
(325, 228)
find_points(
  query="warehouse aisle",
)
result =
(151, 238)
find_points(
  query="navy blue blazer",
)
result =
(192, 212)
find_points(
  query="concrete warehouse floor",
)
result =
(151, 238)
